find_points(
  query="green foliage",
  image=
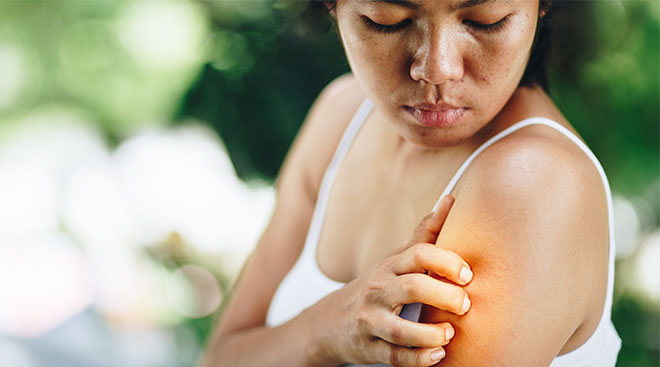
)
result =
(606, 81)
(252, 69)
(75, 53)
(262, 77)
(639, 331)
(604, 77)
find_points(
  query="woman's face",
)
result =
(438, 70)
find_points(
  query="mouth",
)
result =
(436, 115)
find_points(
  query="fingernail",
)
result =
(449, 333)
(437, 355)
(466, 275)
(466, 304)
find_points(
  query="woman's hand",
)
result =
(363, 316)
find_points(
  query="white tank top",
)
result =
(305, 284)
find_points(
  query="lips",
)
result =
(436, 115)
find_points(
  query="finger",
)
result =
(398, 356)
(440, 215)
(429, 227)
(425, 257)
(402, 332)
(422, 288)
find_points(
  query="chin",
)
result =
(433, 138)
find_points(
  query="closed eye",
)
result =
(386, 28)
(488, 28)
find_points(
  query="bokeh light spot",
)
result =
(163, 34)
(648, 268)
(193, 291)
(230, 53)
(626, 226)
(43, 283)
(13, 74)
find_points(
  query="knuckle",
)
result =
(403, 357)
(395, 357)
(411, 287)
(362, 320)
(396, 334)
(371, 290)
(355, 337)
(418, 358)
(387, 264)
(418, 253)
(360, 342)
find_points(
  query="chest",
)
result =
(373, 207)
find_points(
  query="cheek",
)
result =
(377, 62)
(503, 59)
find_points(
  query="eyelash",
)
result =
(486, 28)
(382, 28)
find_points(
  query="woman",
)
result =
(445, 98)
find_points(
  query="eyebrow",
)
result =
(470, 4)
(403, 3)
(408, 4)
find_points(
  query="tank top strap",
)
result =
(349, 134)
(331, 171)
(607, 309)
(311, 242)
(511, 129)
(329, 176)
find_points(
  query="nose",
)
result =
(438, 59)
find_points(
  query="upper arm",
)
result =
(529, 219)
(296, 187)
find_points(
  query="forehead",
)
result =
(451, 5)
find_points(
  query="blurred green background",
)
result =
(139, 141)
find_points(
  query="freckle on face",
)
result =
(382, 64)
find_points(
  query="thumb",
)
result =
(428, 229)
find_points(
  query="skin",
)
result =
(347, 325)
(438, 58)
(529, 215)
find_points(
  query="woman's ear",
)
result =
(331, 7)
(544, 6)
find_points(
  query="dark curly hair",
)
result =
(536, 72)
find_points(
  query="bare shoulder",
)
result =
(539, 171)
(530, 217)
(323, 127)
(544, 197)
(300, 177)
(534, 182)
(540, 161)
(297, 185)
